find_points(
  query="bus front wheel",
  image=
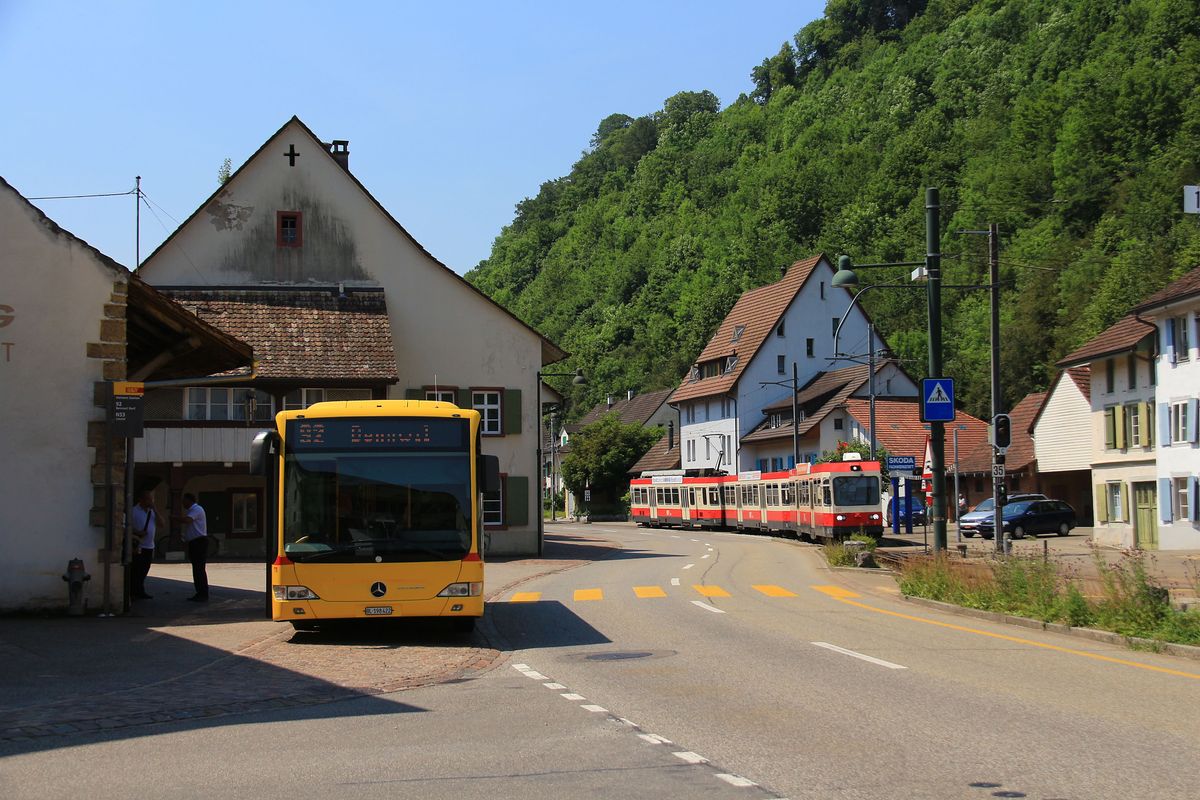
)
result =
(463, 624)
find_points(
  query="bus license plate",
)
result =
(378, 611)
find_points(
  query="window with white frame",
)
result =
(707, 449)
(441, 395)
(218, 403)
(493, 508)
(245, 512)
(1182, 339)
(487, 403)
(1179, 422)
(1113, 501)
(302, 398)
(1133, 425)
(1181, 501)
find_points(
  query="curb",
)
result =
(1108, 637)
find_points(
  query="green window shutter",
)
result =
(512, 411)
(516, 501)
(1125, 501)
(1101, 503)
(1110, 428)
(1143, 412)
(1119, 418)
(414, 394)
(464, 398)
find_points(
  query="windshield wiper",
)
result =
(345, 548)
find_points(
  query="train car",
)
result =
(705, 506)
(839, 498)
(640, 492)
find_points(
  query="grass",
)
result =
(1129, 601)
(838, 555)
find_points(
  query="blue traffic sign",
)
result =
(901, 464)
(937, 400)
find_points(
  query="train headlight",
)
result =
(283, 593)
(840, 517)
(462, 590)
(875, 517)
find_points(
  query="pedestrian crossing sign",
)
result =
(937, 400)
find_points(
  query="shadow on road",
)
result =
(545, 623)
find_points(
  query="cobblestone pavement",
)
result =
(275, 668)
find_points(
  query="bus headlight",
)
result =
(462, 590)
(283, 593)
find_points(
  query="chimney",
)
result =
(610, 402)
(629, 394)
(670, 435)
(783, 271)
(340, 150)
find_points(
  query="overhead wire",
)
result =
(150, 206)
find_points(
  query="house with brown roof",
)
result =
(772, 334)
(1175, 313)
(828, 407)
(1021, 472)
(1060, 425)
(1120, 431)
(73, 322)
(296, 253)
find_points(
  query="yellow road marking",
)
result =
(649, 591)
(589, 594)
(525, 597)
(710, 591)
(775, 591)
(835, 592)
(1018, 640)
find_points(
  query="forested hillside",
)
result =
(1073, 124)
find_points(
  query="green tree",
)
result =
(224, 172)
(602, 453)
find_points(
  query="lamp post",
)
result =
(846, 278)
(577, 379)
(844, 262)
(795, 384)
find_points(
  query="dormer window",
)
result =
(738, 330)
(776, 420)
(289, 229)
(710, 369)
(730, 363)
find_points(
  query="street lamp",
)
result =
(577, 379)
(846, 277)
(795, 412)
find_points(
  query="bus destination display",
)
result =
(366, 433)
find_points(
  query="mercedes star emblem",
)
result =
(379, 589)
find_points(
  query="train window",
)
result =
(826, 500)
(856, 490)
(789, 494)
(730, 496)
(772, 494)
(691, 496)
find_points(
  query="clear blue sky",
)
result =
(455, 111)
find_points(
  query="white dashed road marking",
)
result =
(572, 696)
(859, 656)
(736, 780)
(597, 709)
(555, 686)
(654, 738)
(674, 581)
(707, 607)
(690, 757)
(689, 566)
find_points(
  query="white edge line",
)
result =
(707, 607)
(859, 656)
(736, 780)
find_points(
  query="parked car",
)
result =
(969, 523)
(1033, 517)
(915, 506)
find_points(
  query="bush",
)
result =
(869, 542)
(838, 555)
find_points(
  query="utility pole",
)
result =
(937, 430)
(997, 400)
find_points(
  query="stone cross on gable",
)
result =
(291, 155)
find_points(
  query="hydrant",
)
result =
(75, 577)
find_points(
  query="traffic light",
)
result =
(1001, 431)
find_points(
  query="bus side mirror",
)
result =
(490, 473)
(264, 447)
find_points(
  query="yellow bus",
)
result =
(376, 511)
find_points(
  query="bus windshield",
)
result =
(372, 506)
(856, 490)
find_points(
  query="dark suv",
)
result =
(986, 510)
(1034, 517)
(912, 504)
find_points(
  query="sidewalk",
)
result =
(171, 660)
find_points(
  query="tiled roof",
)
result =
(658, 457)
(303, 334)
(756, 312)
(1082, 376)
(1122, 335)
(763, 433)
(825, 382)
(1187, 286)
(638, 411)
(899, 429)
(1021, 455)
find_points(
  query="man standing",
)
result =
(145, 520)
(195, 538)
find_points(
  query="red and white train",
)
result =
(829, 500)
